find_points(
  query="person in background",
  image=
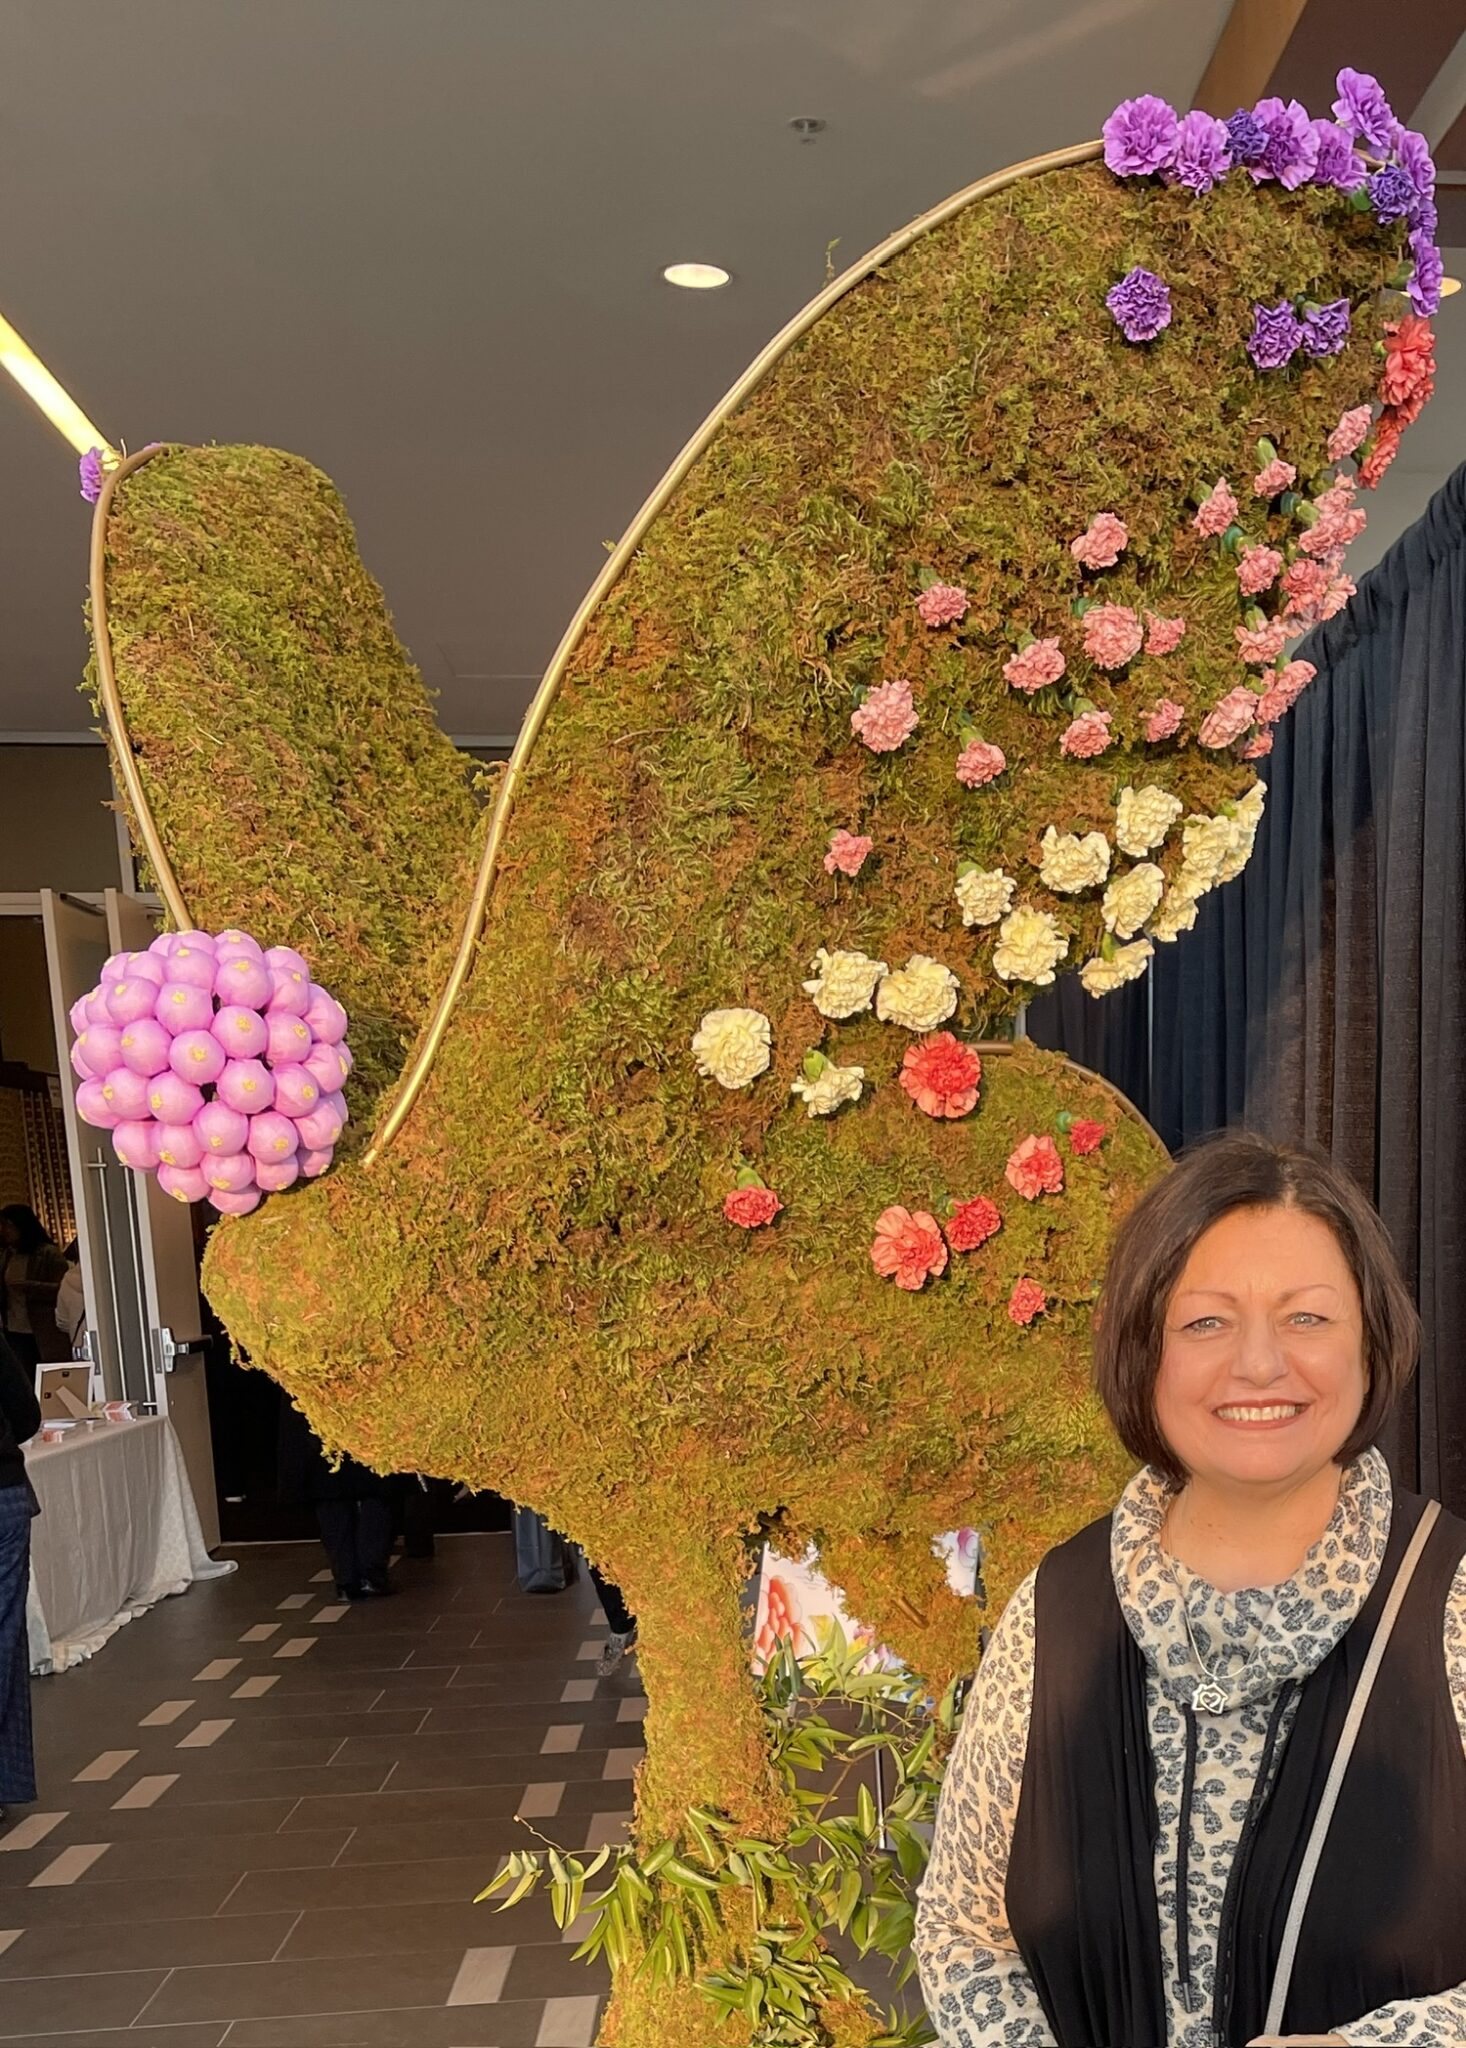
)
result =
(20, 1418)
(33, 1269)
(356, 1510)
(621, 1622)
(71, 1301)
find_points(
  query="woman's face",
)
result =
(1262, 1374)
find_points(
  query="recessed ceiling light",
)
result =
(1450, 286)
(697, 277)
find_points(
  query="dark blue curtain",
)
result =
(1323, 994)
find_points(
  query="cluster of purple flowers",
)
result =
(1363, 149)
(1278, 332)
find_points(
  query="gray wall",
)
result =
(55, 829)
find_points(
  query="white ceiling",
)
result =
(419, 241)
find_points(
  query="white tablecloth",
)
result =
(118, 1531)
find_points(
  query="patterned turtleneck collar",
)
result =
(1259, 1638)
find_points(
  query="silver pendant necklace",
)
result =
(1211, 1694)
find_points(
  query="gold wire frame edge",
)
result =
(411, 1085)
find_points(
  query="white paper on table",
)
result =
(793, 1598)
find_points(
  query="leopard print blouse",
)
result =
(978, 1993)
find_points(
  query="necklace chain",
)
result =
(1212, 1694)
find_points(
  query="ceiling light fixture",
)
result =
(1449, 287)
(697, 277)
(31, 374)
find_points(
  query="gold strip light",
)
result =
(413, 1080)
(30, 373)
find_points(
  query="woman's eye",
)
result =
(1307, 1318)
(1205, 1323)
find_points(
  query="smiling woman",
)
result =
(1151, 1828)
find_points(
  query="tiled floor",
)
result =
(263, 1817)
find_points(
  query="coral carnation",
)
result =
(1217, 510)
(1163, 636)
(1035, 1168)
(751, 1208)
(1112, 635)
(1164, 721)
(1279, 476)
(886, 718)
(942, 1076)
(1382, 454)
(1040, 662)
(942, 604)
(1085, 1136)
(847, 854)
(1409, 359)
(1102, 542)
(972, 1223)
(909, 1247)
(1026, 1301)
(1260, 744)
(979, 763)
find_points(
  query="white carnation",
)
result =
(732, 1046)
(1100, 976)
(1030, 946)
(1244, 824)
(832, 1086)
(1143, 817)
(921, 995)
(1070, 864)
(1177, 914)
(985, 896)
(1131, 898)
(843, 983)
(1205, 843)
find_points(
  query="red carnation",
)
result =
(908, 1247)
(1027, 1301)
(941, 1075)
(972, 1223)
(1087, 1137)
(1035, 1168)
(1384, 450)
(751, 1208)
(1409, 361)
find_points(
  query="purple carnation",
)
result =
(1425, 284)
(1276, 334)
(1364, 110)
(1202, 155)
(1391, 194)
(89, 469)
(1339, 162)
(1424, 220)
(1141, 304)
(1140, 136)
(1412, 154)
(1292, 146)
(1246, 137)
(1326, 328)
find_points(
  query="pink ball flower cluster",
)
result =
(1102, 542)
(886, 718)
(216, 1064)
(1040, 662)
(942, 604)
(1112, 635)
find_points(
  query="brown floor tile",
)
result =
(273, 1990)
(144, 1945)
(49, 2005)
(459, 2026)
(118, 1904)
(200, 1854)
(367, 1888)
(209, 2035)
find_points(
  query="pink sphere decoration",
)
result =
(79, 1065)
(127, 1092)
(290, 981)
(145, 1047)
(115, 968)
(131, 998)
(96, 1007)
(182, 1006)
(136, 1144)
(174, 1100)
(248, 1086)
(314, 1163)
(242, 979)
(190, 964)
(101, 1047)
(197, 1056)
(94, 1106)
(241, 1032)
(326, 1067)
(231, 1171)
(236, 941)
(297, 1091)
(289, 1039)
(325, 1017)
(79, 1014)
(221, 1129)
(184, 1183)
(272, 1138)
(179, 1145)
(272, 1177)
(320, 1130)
(235, 1204)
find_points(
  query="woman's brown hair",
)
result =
(1240, 1170)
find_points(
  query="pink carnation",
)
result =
(908, 1247)
(1034, 1168)
(751, 1208)
(1026, 1301)
(1271, 705)
(1337, 499)
(979, 763)
(1040, 662)
(1218, 509)
(1102, 542)
(1292, 680)
(1163, 636)
(1260, 744)
(1306, 584)
(1089, 735)
(1258, 570)
(1112, 635)
(1279, 476)
(1087, 1136)
(1262, 644)
(1339, 593)
(1228, 720)
(886, 718)
(942, 604)
(847, 853)
(1351, 432)
(971, 1224)
(942, 1075)
(1164, 720)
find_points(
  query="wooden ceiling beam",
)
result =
(1249, 49)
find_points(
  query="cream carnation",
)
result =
(1243, 832)
(1143, 817)
(1030, 946)
(843, 983)
(1131, 898)
(1070, 863)
(732, 1046)
(833, 1085)
(1101, 976)
(921, 995)
(1177, 914)
(985, 896)
(1205, 844)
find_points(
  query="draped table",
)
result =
(118, 1531)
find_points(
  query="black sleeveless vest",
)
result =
(1387, 1915)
